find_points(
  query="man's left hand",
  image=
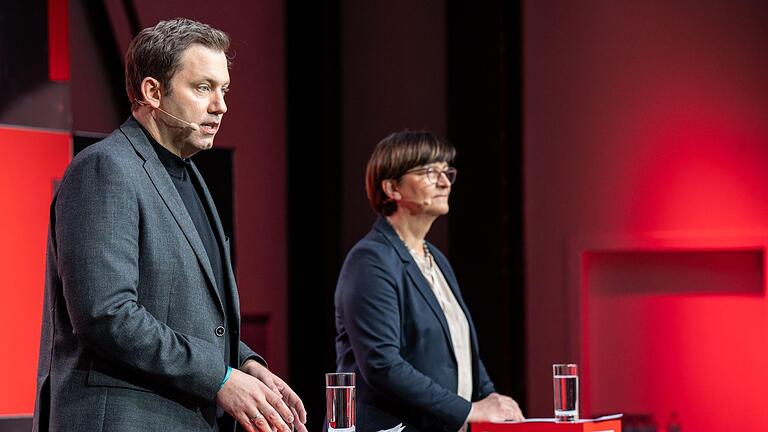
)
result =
(290, 398)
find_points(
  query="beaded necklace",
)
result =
(427, 253)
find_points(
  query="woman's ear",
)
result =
(390, 189)
(150, 92)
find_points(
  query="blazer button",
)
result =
(219, 331)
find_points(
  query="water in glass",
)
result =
(566, 397)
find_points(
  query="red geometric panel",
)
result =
(678, 331)
(32, 160)
(58, 40)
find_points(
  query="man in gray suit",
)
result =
(141, 318)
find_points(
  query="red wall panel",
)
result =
(32, 160)
(58, 40)
(677, 332)
(641, 118)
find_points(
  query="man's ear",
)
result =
(389, 187)
(150, 92)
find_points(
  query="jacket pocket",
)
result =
(106, 375)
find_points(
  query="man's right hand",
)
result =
(254, 405)
(495, 408)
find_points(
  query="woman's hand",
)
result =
(495, 408)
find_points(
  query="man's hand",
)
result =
(495, 408)
(253, 404)
(290, 398)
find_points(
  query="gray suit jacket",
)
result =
(132, 321)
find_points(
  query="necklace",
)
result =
(430, 270)
(425, 248)
(427, 253)
(427, 257)
(425, 262)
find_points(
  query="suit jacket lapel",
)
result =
(167, 191)
(450, 277)
(417, 277)
(219, 230)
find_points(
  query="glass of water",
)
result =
(565, 378)
(340, 401)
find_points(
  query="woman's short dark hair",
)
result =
(396, 154)
(156, 51)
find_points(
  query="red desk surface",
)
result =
(588, 426)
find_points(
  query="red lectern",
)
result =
(550, 426)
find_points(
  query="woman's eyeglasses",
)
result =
(433, 174)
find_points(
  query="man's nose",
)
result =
(218, 105)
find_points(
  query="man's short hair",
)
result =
(156, 52)
(396, 154)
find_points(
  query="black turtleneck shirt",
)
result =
(190, 191)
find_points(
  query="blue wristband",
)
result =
(226, 377)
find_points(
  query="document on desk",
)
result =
(552, 420)
(397, 428)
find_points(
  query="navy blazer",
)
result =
(393, 334)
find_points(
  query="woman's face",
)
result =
(424, 190)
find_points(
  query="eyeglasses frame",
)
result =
(434, 171)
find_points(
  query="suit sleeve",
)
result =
(371, 316)
(246, 353)
(486, 385)
(97, 237)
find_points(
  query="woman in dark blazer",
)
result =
(402, 325)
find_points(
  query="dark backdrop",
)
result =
(313, 169)
(484, 237)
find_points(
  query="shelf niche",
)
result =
(678, 329)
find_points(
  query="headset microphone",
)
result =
(194, 126)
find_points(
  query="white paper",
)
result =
(397, 428)
(552, 420)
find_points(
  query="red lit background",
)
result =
(646, 188)
(670, 328)
(32, 160)
(58, 40)
(647, 121)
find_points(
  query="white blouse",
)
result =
(457, 321)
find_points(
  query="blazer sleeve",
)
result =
(368, 296)
(486, 385)
(97, 248)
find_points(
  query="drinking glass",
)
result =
(340, 401)
(565, 378)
